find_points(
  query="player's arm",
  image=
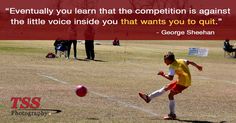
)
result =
(199, 67)
(169, 77)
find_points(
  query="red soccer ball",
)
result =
(81, 90)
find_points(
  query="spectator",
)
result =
(89, 42)
(69, 43)
(116, 42)
(72, 40)
(60, 45)
(56, 43)
(229, 47)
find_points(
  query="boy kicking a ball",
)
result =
(180, 68)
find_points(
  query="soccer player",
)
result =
(180, 68)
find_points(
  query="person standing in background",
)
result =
(89, 42)
(72, 40)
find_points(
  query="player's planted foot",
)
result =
(145, 97)
(170, 117)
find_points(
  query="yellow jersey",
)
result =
(181, 69)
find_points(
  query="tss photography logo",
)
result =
(30, 106)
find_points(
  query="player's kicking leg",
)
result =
(149, 97)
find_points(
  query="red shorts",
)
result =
(173, 86)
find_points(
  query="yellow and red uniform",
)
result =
(180, 68)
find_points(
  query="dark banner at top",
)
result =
(123, 19)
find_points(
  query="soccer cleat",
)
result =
(170, 117)
(145, 97)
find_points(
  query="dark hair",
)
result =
(170, 56)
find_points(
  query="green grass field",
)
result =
(113, 82)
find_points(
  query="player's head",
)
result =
(169, 57)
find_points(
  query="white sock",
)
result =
(157, 93)
(172, 106)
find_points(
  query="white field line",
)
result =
(54, 79)
(125, 104)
